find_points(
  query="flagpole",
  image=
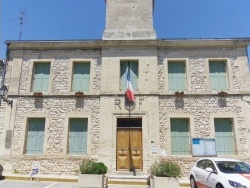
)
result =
(129, 109)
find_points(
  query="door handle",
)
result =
(136, 150)
(122, 149)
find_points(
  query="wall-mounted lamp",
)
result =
(2, 62)
(3, 93)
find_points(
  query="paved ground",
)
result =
(34, 184)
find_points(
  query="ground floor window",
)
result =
(35, 136)
(224, 136)
(180, 136)
(78, 129)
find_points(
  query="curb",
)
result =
(73, 179)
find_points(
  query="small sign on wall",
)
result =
(203, 147)
(35, 168)
(154, 149)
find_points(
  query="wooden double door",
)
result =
(129, 148)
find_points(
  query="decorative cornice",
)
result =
(99, 44)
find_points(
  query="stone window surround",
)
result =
(65, 141)
(212, 132)
(227, 69)
(129, 60)
(71, 69)
(188, 76)
(51, 61)
(191, 131)
(235, 126)
(23, 136)
(30, 76)
(187, 71)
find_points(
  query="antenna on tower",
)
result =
(21, 20)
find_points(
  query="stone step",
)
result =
(130, 181)
(118, 179)
(128, 186)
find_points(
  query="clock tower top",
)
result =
(129, 20)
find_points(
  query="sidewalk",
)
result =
(184, 182)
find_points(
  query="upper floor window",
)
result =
(218, 75)
(180, 137)
(41, 77)
(129, 68)
(81, 76)
(78, 131)
(176, 76)
(35, 136)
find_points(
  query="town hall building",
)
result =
(67, 99)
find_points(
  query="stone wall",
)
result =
(154, 104)
(202, 109)
(57, 112)
(61, 70)
(2, 118)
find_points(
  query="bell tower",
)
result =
(129, 20)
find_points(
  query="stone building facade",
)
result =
(124, 135)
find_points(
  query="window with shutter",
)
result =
(218, 75)
(176, 76)
(81, 76)
(180, 139)
(133, 68)
(224, 136)
(78, 130)
(35, 136)
(41, 76)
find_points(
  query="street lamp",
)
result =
(4, 89)
(3, 93)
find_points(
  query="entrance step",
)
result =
(127, 180)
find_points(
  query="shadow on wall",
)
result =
(1, 171)
(8, 139)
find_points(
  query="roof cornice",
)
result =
(99, 44)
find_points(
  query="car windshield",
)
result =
(233, 167)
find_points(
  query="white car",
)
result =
(220, 173)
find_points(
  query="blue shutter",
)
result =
(41, 77)
(133, 68)
(134, 75)
(81, 77)
(176, 76)
(37, 83)
(180, 137)
(224, 136)
(78, 136)
(124, 71)
(46, 73)
(218, 77)
(35, 136)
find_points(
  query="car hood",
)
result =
(242, 178)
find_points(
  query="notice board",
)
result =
(203, 147)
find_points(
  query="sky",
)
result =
(85, 19)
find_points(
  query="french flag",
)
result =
(130, 93)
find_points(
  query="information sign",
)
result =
(203, 147)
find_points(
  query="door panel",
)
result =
(129, 148)
(122, 149)
(136, 148)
